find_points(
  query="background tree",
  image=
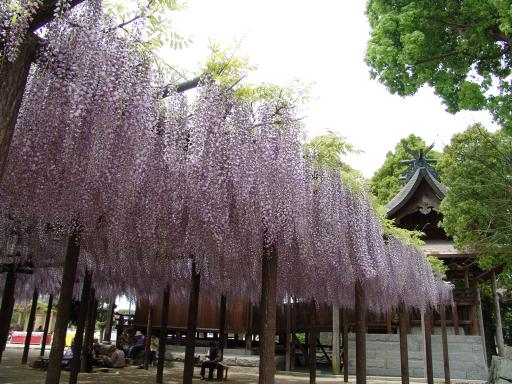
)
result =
(477, 171)
(386, 181)
(460, 48)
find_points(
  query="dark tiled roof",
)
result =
(408, 190)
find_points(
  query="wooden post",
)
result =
(444, 337)
(389, 322)
(481, 323)
(287, 339)
(30, 327)
(497, 315)
(80, 327)
(222, 325)
(335, 340)
(110, 320)
(312, 343)
(147, 340)
(46, 324)
(360, 334)
(403, 318)
(428, 346)
(344, 340)
(6, 309)
(163, 337)
(248, 331)
(193, 307)
(292, 330)
(455, 318)
(63, 309)
(89, 331)
(267, 366)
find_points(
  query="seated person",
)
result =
(68, 356)
(96, 356)
(116, 359)
(212, 360)
(138, 346)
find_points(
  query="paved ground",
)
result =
(12, 372)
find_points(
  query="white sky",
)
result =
(321, 43)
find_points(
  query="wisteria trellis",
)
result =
(151, 182)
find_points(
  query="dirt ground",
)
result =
(12, 372)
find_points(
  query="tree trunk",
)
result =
(335, 340)
(80, 326)
(61, 323)
(89, 330)
(497, 315)
(6, 309)
(267, 367)
(404, 352)
(30, 327)
(444, 337)
(312, 344)
(163, 337)
(46, 324)
(193, 306)
(344, 341)
(13, 77)
(222, 325)
(107, 336)
(147, 345)
(288, 339)
(360, 335)
(248, 331)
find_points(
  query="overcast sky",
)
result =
(321, 43)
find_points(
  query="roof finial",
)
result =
(420, 161)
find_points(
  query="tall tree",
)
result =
(477, 168)
(386, 181)
(460, 48)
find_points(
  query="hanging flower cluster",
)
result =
(153, 185)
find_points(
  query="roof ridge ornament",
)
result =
(420, 161)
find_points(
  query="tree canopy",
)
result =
(386, 181)
(460, 48)
(477, 171)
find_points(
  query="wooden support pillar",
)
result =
(6, 309)
(313, 336)
(267, 366)
(46, 324)
(193, 307)
(63, 309)
(403, 318)
(335, 340)
(288, 339)
(444, 337)
(163, 337)
(89, 330)
(360, 308)
(110, 320)
(30, 327)
(147, 340)
(344, 340)
(455, 318)
(292, 330)
(389, 322)
(481, 323)
(497, 315)
(428, 346)
(248, 331)
(222, 325)
(80, 327)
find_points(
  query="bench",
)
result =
(222, 370)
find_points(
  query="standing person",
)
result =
(212, 360)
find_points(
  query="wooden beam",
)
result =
(455, 318)
(481, 323)
(287, 339)
(147, 340)
(335, 341)
(110, 320)
(163, 337)
(193, 308)
(389, 324)
(267, 367)
(444, 338)
(248, 331)
(344, 341)
(80, 328)
(403, 318)
(30, 327)
(65, 298)
(46, 324)
(360, 308)
(6, 309)
(428, 346)
(89, 330)
(497, 315)
(222, 325)
(312, 343)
